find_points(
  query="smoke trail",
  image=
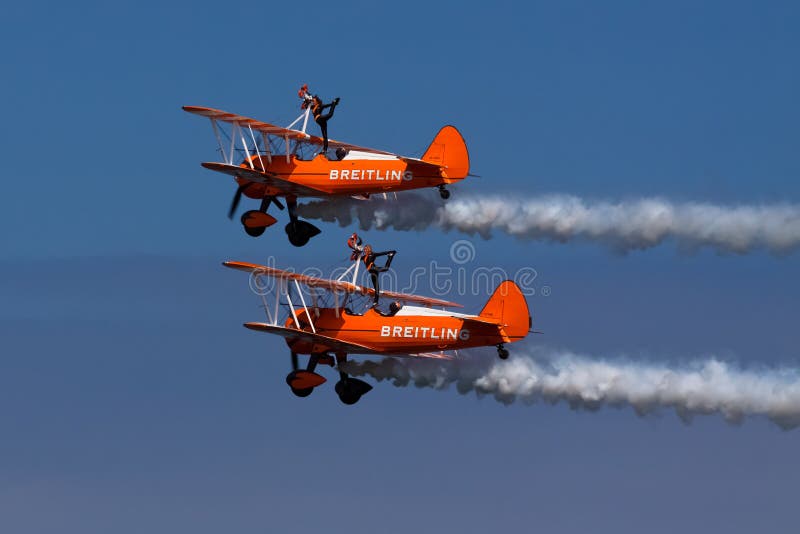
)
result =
(625, 225)
(706, 387)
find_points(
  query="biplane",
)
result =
(269, 162)
(329, 319)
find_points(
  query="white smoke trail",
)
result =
(706, 387)
(624, 225)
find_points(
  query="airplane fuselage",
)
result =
(347, 176)
(397, 334)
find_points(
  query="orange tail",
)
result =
(508, 305)
(449, 150)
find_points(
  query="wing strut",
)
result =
(246, 148)
(255, 149)
(266, 147)
(219, 139)
(303, 301)
(266, 309)
(285, 285)
(234, 128)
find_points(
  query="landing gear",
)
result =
(298, 232)
(256, 221)
(502, 352)
(303, 382)
(251, 217)
(350, 390)
(444, 193)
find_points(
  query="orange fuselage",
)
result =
(346, 177)
(398, 334)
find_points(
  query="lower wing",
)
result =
(270, 180)
(326, 343)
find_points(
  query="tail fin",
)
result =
(508, 305)
(449, 150)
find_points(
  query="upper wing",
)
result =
(335, 285)
(271, 129)
(284, 186)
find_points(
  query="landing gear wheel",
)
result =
(350, 390)
(305, 392)
(256, 221)
(444, 193)
(502, 353)
(349, 397)
(254, 232)
(299, 232)
(296, 239)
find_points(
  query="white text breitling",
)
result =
(370, 175)
(425, 332)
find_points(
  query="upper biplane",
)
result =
(269, 162)
(328, 319)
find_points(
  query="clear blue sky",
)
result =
(132, 400)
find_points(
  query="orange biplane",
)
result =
(269, 162)
(336, 318)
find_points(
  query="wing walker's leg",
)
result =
(349, 389)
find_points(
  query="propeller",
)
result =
(237, 197)
(265, 202)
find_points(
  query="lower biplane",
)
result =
(270, 162)
(330, 319)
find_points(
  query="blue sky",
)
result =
(131, 398)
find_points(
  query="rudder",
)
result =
(449, 150)
(508, 306)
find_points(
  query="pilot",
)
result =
(317, 107)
